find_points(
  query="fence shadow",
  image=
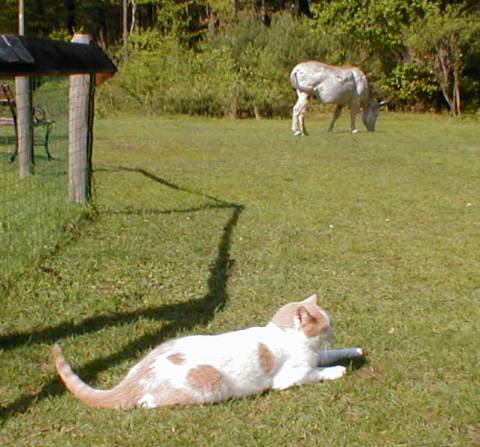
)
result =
(180, 316)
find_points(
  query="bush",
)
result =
(144, 76)
(160, 76)
(243, 72)
(411, 86)
(206, 86)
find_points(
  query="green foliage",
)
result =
(182, 20)
(8, 16)
(241, 67)
(146, 74)
(411, 86)
(439, 42)
(60, 34)
(241, 72)
(207, 86)
(160, 75)
(288, 41)
(369, 33)
(243, 43)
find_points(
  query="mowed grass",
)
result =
(204, 226)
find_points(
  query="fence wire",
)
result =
(35, 211)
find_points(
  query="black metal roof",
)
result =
(24, 56)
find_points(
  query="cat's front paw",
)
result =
(333, 372)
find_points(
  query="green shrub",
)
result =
(410, 86)
(289, 41)
(206, 85)
(145, 75)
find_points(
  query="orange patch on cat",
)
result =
(266, 358)
(314, 327)
(313, 322)
(177, 358)
(205, 378)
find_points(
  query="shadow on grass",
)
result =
(353, 364)
(181, 316)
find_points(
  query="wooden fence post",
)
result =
(80, 131)
(23, 101)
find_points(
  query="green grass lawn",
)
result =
(204, 226)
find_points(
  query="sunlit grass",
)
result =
(203, 226)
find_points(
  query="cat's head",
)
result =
(305, 317)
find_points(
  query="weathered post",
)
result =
(81, 131)
(23, 101)
(125, 24)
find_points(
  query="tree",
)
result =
(8, 17)
(368, 32)
(438, 41)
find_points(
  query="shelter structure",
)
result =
(34, 56)
(87, 65)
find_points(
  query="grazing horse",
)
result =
(343, 86)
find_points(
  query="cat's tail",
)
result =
(116, 398)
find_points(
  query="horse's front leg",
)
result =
(353, 115)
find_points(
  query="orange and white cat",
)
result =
(203, 369)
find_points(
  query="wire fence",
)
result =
(35, 211)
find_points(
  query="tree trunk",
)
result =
(133, 25)
(233, 107)
(443, 69)
(304, 8)
(69, 6)
(212, 20)
(125, 23)
(448, 70)
(456, 88)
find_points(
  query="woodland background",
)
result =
(233, 57)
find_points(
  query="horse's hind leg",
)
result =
(301, 118)
(298, 114)
(336, 115)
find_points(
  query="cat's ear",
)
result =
(311, 324)
(302, 314)
(312, 299)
